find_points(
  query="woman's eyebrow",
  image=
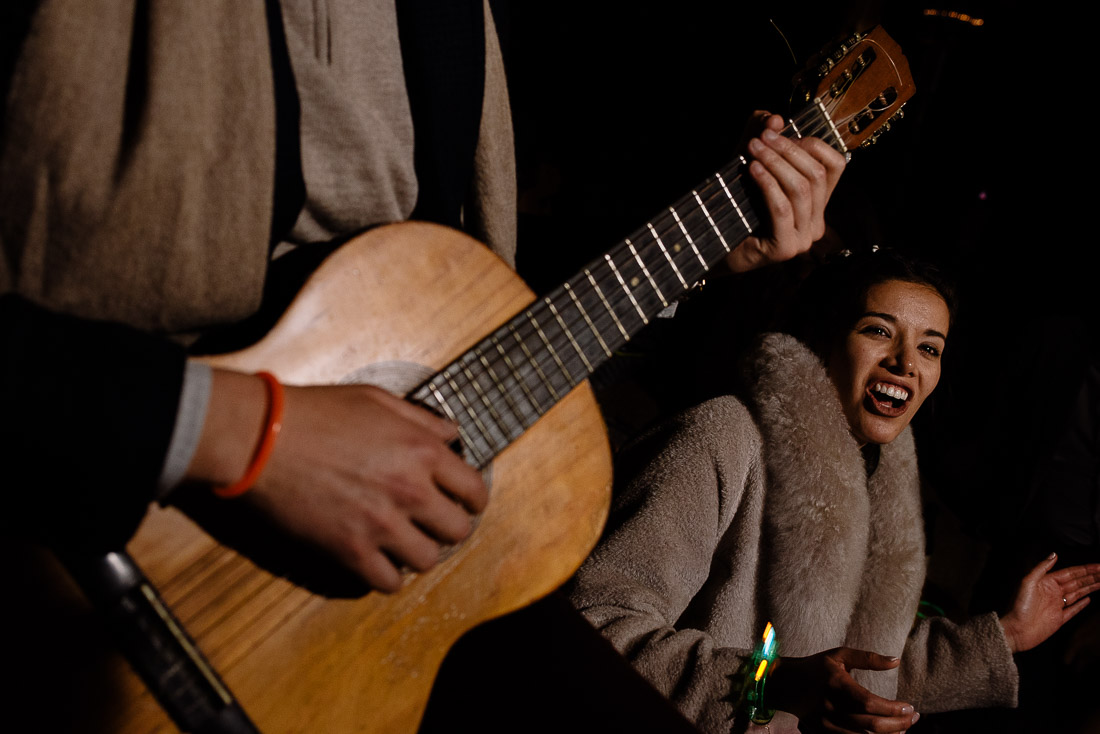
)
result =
(894, 319)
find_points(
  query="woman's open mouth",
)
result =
(887, 399)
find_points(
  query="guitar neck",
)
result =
(498, 389)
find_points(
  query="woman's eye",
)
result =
(876, 330)
(931, 350)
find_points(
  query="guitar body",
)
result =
(394, 298)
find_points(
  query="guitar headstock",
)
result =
(857, 89)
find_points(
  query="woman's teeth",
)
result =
(891, 391)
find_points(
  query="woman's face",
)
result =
(889, 361)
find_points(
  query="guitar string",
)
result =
(687, 220)
(840, 123)
(690, 219)
(509, 429)
(524, 420)
(667, 224)
(600, 325)
(557, 341)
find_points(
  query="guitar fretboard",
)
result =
(499, 388)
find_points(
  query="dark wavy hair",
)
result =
(832, 297)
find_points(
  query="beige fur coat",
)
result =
(744, 515)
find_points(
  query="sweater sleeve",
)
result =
(658, 552)
(86, 414)
(948, 666)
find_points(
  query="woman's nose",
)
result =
(901, 360)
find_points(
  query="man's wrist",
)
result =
(234, 420)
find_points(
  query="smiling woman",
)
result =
(889, 361)
(798, 503)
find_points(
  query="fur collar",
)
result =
(843, 556)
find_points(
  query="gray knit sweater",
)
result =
(763, 512)
(138, 153)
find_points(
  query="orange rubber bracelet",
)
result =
(272, 426)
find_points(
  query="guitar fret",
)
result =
(539, 410)
(630, 295)
(606, 305)
(485, 434)
(533, 361)
(668, 257)
(498, 419)
(733, 201)
(502, 387)
(649, 277)
(711, 221)
(550, 347)
(587, 320)
(690, 241)
(568, 334)
(462, 434)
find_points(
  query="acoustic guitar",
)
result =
(304, 662)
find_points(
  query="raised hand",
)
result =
(820, 690)
(797, 178)
(1047, 600)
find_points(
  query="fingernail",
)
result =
(906, 710)
(755, 146)
(769, 135)
(916, 718)
(1052, 556)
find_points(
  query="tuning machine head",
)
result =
(873, 138)
(819, 67)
